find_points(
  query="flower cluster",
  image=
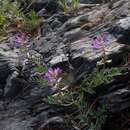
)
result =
(53, 75)
(19, 39)
(100, 41)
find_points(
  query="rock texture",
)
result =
(68, 37)
(22, 105)
(27, 111)
(116, 95)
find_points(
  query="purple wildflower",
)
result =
(53, 75)
(95, 43)
(18, 39)
(100, 41)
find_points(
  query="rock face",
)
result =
(7, 68)
(66, 39)
(27, 111)
(21, 102)
(116, 95)
(76, 33)
(91, 1)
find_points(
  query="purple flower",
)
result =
(53, 75)
(99, 41)
(95, 43)
(18, 39)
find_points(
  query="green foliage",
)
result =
(69, 6)
(100, 116)
(74, 5)
(15, 11)
(92, 119)
(32, 21)
(4, 5)
(98, 77)
(10, 9)
(89, 116)
(40, 69)
(2, 21)
(10, 14)
(39, 80)
(64, 5)
(53, 99)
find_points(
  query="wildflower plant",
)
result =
(99, 43)
(18, 40)
(53, 76)
(98, 77)
(37, 74)
(88, 114)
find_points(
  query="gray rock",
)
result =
(91, 1)
(56, 24)
(54, 123)
(75, 35)
(125, 23)
(64, 39)
(7, 68)
(116, 95)
(14, 124)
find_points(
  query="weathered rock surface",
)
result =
(116, 95)
(70, 40)
(26, 110)
(21, 102)
(71, 37)
(67, 37)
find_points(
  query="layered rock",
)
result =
(67, 35)
(67, 38)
